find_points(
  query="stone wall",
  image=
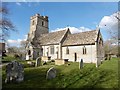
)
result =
(59, 62)
(100, 49)
(89, 57)
(46, 50)
(45, 58)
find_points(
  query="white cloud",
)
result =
(25, 37)
(110, 23)
(12, 41)
(73, 29)
(18, 3)
(17, 42)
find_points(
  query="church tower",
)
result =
(38, 26)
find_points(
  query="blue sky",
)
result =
(61, 15)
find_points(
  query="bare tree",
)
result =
(115, 33)
(12, 50)
(115, 37)
(23, 44)
(5, 24)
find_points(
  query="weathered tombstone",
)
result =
(51, 73)
(81, 64)
(14, 72)
(96, 63)
(38, 62)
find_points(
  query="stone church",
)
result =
(62, 44)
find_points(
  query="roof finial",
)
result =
(67, 27)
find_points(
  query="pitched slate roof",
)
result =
(88, 37)
(52, 38)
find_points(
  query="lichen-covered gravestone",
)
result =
(38, 62)
(51, 73)
(81, 64)
(14, 72)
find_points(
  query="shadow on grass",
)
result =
(94, 79)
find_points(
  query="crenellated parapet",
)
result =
(39, 16)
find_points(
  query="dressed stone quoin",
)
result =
(62, 44)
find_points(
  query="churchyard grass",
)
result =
(70, 76)
(8, 58)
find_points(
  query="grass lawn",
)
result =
(105, 76)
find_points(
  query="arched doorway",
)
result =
(29, 52)
(75, 55)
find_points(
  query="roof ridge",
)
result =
(66, 30)
(84, 32)
(87, 37)
(53, 32)
(58, 31)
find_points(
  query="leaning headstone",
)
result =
(81, 64)
(38, 62)
(51, 73)
(14, 72)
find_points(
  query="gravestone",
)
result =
(51, 73)
(81, 64)
(14, 72)
(97, 63)
(38, 62)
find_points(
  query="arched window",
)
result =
(33, 22)
(56, 50)
(42, 23)
(52, 49)
(67, 50)
(47, 51)
(101, 42)
(41, 49)
(84, 50)
(38, 53)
